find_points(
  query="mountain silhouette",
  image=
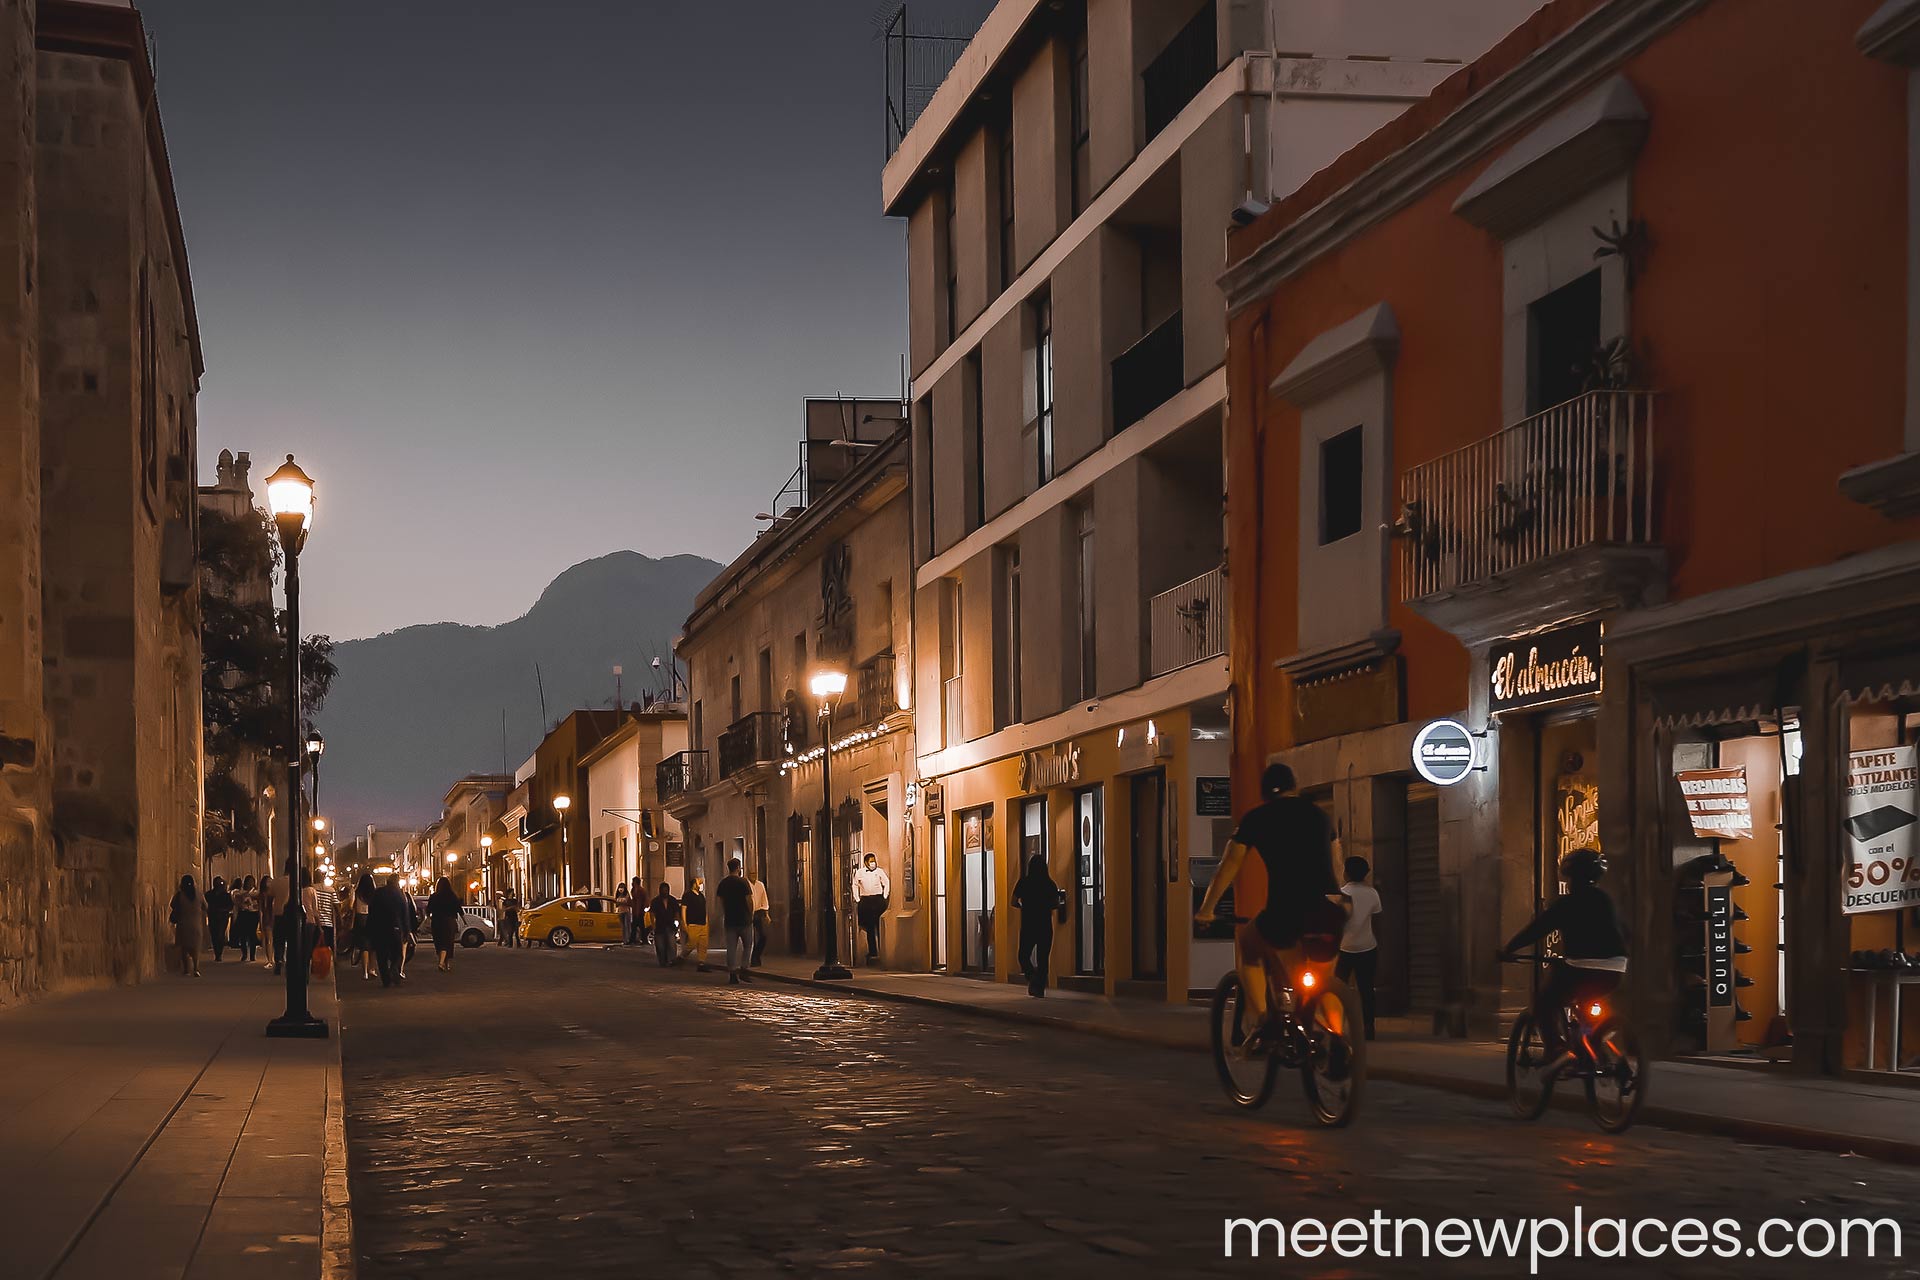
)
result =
(413, 710)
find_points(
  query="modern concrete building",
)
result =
(1067, 193)
(100, 758)
(1583, 471)
(825, 587)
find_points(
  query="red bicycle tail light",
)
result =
(1307, 979)
(1595, 1009)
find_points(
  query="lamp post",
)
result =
(486, 862)
(827, 686)
(315, 745)
(561, 804)
(290, 498)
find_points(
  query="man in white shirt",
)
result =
(1359, 951)
(870, 890)
(762, 917)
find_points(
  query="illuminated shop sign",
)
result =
(1550, 667)
(1443, 752)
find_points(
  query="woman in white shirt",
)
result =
(1359, 950)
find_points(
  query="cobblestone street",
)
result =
(584, 1114)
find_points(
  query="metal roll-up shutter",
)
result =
(1425, 915)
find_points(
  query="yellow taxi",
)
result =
(587, 917)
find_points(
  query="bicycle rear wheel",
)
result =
(1335, 1072)
(1618, 1084)
(1247, 1076)
(1528, 1088)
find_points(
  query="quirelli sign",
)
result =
(1443, 752)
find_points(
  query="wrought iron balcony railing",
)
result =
(679, 774)
(1578, 475)
(759, 737)
(1188, 624)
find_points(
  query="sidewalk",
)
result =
(1771, 1107)
(154, 1131)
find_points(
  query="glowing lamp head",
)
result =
(828, 684)
(452, 857)
(319, 824)
(563, 803)
(1307, 979)
(290, 498)
(486, 842)
(315, 744)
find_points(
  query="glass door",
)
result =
(1149, 875)
(976, 894)
(938, 831)
(1089, 883)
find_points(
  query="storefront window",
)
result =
(977, 890)
(1880, 881)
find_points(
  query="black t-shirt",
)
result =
(696, 904)
(736, 902)
(1295, 841)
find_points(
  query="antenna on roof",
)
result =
(541, 685)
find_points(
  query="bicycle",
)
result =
(1313, 1030)
(1606, 1058)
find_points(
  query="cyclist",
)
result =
(1593, 949)
(1298, 846)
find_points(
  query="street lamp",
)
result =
(315, 745)
(561, 804)
(827, 685)
(290, 498)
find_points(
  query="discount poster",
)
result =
(1881, 874)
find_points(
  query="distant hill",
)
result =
(414, 709)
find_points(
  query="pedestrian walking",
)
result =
(276, 919)
(1359, 951)
(871, 889)
(188, 912)
(642, 929)
(1038, 900)
(762, 918)
(362, 935)
(445, 916)
(666, 918)
(736, 922)
(391, 909)
(246, 919)
(327, 908)
(510, 916)
(623, 905)
(693, 908)
(410, 917)
(219, 917)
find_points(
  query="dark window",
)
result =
(1563, 335)
(1342, 459)
(1080, 128)
(1009, 664)
(977, 464)
(1043, 386)
(950, 259)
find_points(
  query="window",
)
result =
(800, 661)
(952, 662)
(950, 264)
(735, 694)
(1009, 664)
(1008, 246)
(1084, 571)
(1080, 126)
(1043, 387)
(977, 463)
(1563, 335)
(695, 739)
(1342, 459)
(766, 681)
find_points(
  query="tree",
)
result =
(243, 648)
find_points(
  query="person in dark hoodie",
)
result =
(188, 911)
(387, 923)
(1593, 949)
(1038, 900)
(219, 916)
(445, 915)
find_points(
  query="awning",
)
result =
(1881, 677)
(1717, 700)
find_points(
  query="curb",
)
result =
(1762, 1132)
(336, 1206)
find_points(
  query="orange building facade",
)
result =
(1574, 441)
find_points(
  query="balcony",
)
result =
(1181, 71)
(1548, 519)
(878, 696)
(680, 774)
(757, 738)
(1188, 624)
(1149, 373)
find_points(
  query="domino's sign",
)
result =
(1443, 752)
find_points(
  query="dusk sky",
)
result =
(525, 283)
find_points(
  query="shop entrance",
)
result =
(799, 854)
(1089, 883)
(1149, 874)
(977, 893)
(1567, 787)
(937, 832)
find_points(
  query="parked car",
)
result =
(565, 921)
(478, 925)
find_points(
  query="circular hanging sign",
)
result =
(1443, 752)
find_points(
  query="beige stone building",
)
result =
(1067, 192)
(825, 586)
(100, 772)
(628, 834)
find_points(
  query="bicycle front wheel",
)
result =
(1335, 1070)
(1618, 1084)
(1528, 1088)
(1247, 1073)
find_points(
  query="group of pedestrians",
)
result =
(248, 917)
(385, 919)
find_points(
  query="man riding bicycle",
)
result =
(1593, 949)
(1298, 846)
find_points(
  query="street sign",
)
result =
(1443, 752)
